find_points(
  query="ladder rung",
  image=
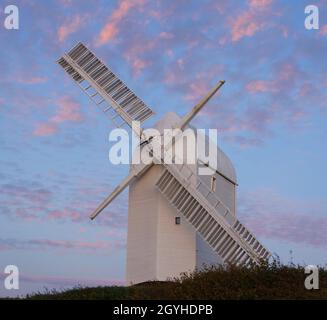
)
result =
(115, 116)
(107, 109)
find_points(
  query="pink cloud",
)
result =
(178, 76)
(305, 89)
(31, 201)
(244, 26)
(64, 214)
(287, 72)
(25, 215)
(134, 52)
(197, 90)
(66, 3)
(68, 110)
(32, 80)
(166, 35)
(25, 201)
(260, 3)
(250, 21)
(244, 142)
(70, 27)
(108, 32)
(138, 65)
(253, 124)
(323, 30)
(45, 129)
(284, 30)
(257, 119)
(261, 86)
(285, 78)
(169, 53)
(111, 28)
(270, 215)
(45, 244)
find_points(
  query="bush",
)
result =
(266, 281)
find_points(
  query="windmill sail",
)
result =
(103, 87)
(209, 216)
(137, 172)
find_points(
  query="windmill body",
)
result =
(178, 219)
(157, 247)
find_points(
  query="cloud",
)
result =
(261, 86)
(192, 84)
(249, 119)
(111, 28)
(46, 244)
(260, 3)
(70, 27)
(45, 129)
(286, 76)
(323, 30)
(31, 80)
(68, 110)
(135, 51)
(138, 65)
(65, 213)
(62, 199)
(197, 90)
(272, 216)
(250, 21)
(66, 281)
(66, 3)
(244, 142)
(244, 26)
(166, 35)
(24, 199)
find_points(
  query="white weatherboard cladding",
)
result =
(224, 165)
(157, 248)
(225, 190)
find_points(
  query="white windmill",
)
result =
(177, 219)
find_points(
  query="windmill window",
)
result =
(177, 220)
(213, 183)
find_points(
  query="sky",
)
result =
(54, 170)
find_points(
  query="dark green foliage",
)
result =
(267, 281)
(80, 293)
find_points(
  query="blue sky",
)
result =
(54, 169)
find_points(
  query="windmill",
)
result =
(177, 219)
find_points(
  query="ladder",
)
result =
(201, 207)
